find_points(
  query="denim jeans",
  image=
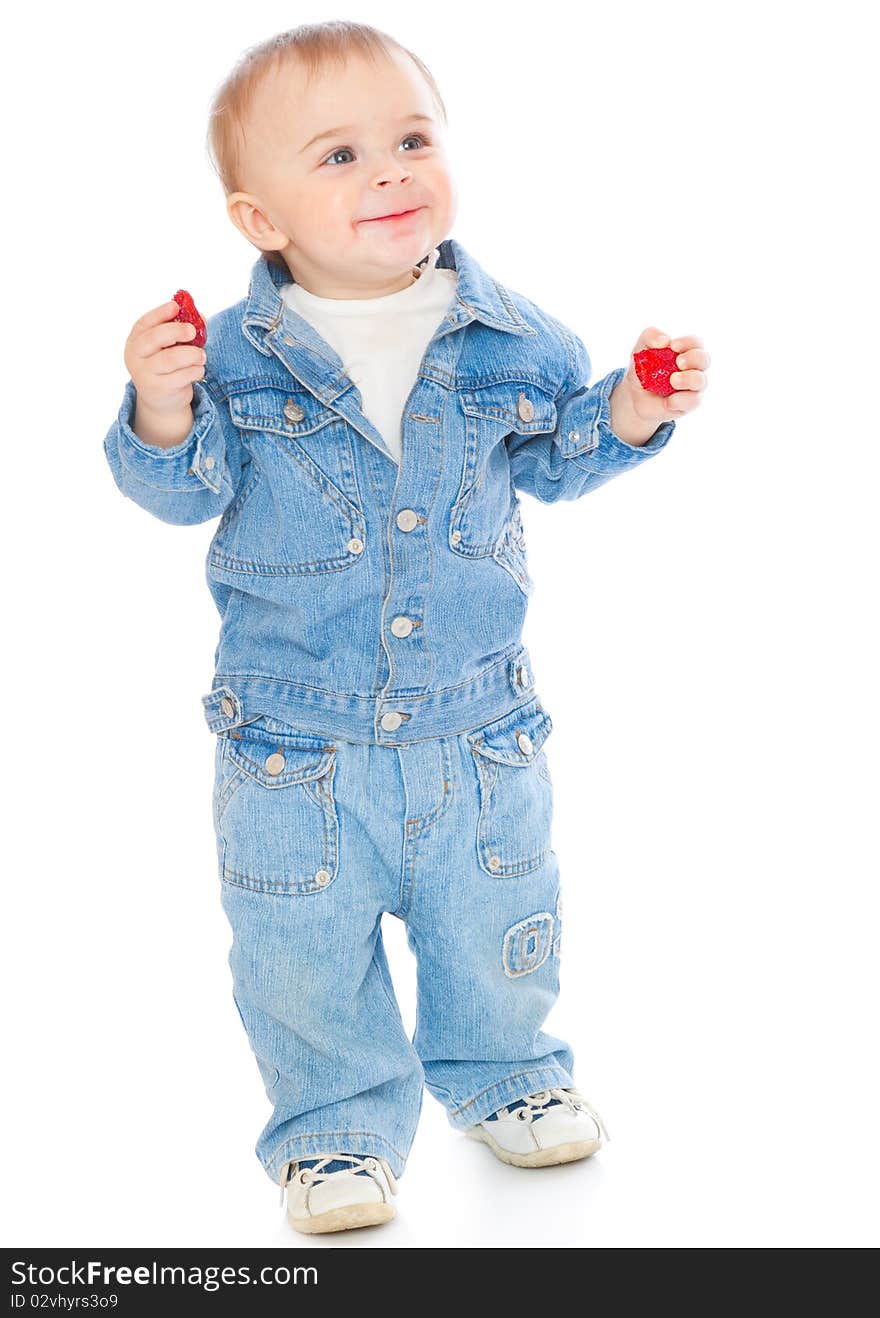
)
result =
(317, 837)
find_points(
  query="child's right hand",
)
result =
(161, 362)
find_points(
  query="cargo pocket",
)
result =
(515, 792)
(275, 811)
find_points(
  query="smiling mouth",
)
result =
(394, 215)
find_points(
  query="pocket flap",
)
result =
(514, 739)
(519, 404)
(278, 759)
(283, 411)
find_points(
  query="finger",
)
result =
(167, 311)
(652, 337)
(687, 341)
(694, 358)
(695, 380)
(176, 359)
(681, 402)
(163, 336)
(184, 377)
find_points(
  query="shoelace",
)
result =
(366, 1163)
(535, 1105)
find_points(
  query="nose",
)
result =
(392, 172)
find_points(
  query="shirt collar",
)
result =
(478, 295)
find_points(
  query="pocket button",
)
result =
(525, 408)
(524, 742)
(275, 763)
(226, 707)
(323, 877)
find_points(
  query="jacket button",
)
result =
(524, 742)
(323, 877)
(522, 675)
(402, 626)
(390, 722)
(209, 463)
(226, 707)
(275, 763)
(574, 436)
(407, 519)
(525, 408)
(494, 862)
(355, 546)
(293, 411)
(455, 537)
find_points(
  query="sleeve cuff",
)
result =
(596, 443)
(197, 459)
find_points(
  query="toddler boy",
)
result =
(361, 423)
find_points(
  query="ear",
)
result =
(244, 210)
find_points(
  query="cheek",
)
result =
(328, 207)
(436, 175)
(445, 196)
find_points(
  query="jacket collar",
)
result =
(478, 296)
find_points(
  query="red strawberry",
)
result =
(654, 367)
(190, 316)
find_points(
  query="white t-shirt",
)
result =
(382, 340)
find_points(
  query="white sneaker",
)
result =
(326, 1196)
(547, 1127)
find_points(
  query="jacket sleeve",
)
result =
(583, 451)
(191, 482)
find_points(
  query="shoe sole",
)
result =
(541, 1157)
(342, 1219)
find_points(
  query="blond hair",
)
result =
(312, 47)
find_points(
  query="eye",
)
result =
(338, 152)
(341, 150)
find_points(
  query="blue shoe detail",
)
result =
(520, 1102)
(336, 1165)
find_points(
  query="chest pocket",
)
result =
(485, 519)
(300, 510)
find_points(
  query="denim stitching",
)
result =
(422, 821)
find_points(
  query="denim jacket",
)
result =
(359, 598)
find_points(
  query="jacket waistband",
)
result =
(237, 698)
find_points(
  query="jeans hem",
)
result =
(322, 1143)
(506, 1091)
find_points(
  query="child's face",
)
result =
(316, 202)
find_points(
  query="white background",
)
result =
(702, 630)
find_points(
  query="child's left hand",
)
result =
(688, 381)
